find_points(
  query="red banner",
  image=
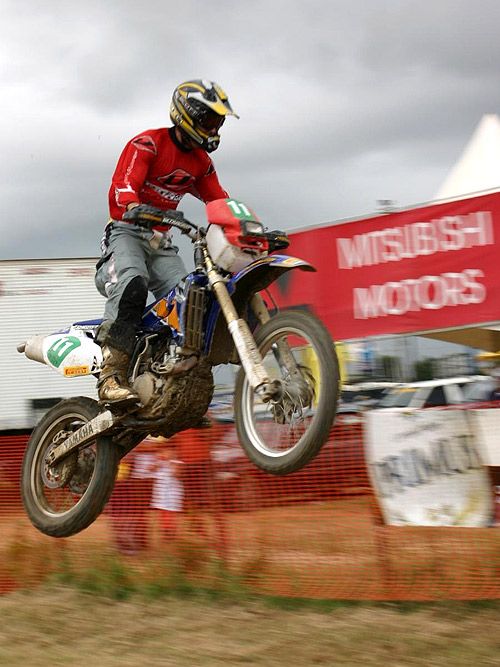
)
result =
(434, 267)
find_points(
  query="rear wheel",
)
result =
(65, 498)
(283, 435)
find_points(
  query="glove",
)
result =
(145, 214)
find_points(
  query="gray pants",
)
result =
(130, 252)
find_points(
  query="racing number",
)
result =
(60, 349)
(241, 210)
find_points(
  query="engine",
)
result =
(173, 386)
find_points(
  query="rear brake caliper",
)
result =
(57, 476)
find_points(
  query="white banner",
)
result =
(427, 468)
(486, 425)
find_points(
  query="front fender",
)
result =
(242, 286)
(271, 266)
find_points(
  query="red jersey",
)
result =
(155, 169)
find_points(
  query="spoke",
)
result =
(278, 427)
(61, 499)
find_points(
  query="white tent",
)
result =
(478, 168)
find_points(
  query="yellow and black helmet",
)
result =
(199, 107)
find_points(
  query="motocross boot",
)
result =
(113, 385)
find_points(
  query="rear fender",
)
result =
(219, 346)
(70, 353)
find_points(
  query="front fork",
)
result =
(280, 349)
(251, 360)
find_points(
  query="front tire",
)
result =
(64, 499)
(281, 438)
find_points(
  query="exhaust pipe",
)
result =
(33, 348)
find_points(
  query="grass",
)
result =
(181, 605)
(61, 625)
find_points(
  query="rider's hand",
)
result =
(143, 214)
(148, 216)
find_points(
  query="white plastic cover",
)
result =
(227, 256)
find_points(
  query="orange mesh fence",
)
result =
(196, 507)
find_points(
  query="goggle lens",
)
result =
(211, 120)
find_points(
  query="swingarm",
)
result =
(101, 424)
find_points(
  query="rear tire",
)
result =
(261, 429)
(64, 499)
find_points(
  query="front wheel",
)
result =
(281, 436)
(65, 498)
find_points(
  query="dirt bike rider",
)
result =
(157, 167)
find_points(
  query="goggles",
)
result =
(209, 120)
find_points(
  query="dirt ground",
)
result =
(316, 550)
(62, 626)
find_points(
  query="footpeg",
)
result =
(128, 406)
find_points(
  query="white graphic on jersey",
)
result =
(164, 193)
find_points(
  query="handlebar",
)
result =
(149, 217)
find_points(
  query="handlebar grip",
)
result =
(148, 216)
(143, 213)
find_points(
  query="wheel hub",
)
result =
(297, 397)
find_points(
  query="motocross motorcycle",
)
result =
(285, 394)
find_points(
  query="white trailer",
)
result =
(41, 296)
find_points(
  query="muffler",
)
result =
(33, 348)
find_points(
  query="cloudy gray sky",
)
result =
(342, 103)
